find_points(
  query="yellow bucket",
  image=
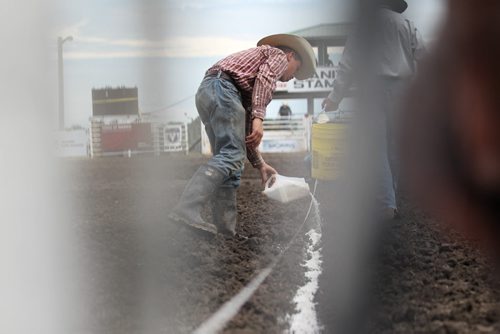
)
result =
(327, 146)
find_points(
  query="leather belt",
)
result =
(219, 74)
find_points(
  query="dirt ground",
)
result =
(142, 274)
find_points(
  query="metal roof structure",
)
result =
(332, 34)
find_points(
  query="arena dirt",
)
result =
(139, 273)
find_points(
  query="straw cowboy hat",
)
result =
(299, 45)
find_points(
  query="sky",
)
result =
(164, 47)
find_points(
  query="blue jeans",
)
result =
(220, 108)
(386, 114)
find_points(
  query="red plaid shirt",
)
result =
(255, 72)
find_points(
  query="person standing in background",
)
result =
(390, 66)
(285, 110)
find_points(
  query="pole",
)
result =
(60, 82)
(60, 63)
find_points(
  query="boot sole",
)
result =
(206, 228)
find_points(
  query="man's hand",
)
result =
(265, 172)
(329, 105)
(253, 139)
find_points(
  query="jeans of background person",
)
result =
(219, 105)
(387, 98)
(396, 89)
(378, 156)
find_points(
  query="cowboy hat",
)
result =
(398, 6)
(299, 45)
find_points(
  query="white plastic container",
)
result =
(286, 189)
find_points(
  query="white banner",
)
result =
(322, 81)
(172, 136)
(71, 143)
(277, 145)
(206, 148)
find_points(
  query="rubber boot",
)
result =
(224, 210)
(198, 190)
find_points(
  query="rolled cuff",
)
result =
(259, 113)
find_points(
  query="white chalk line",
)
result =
(229, 309)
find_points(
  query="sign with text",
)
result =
(172, 136)
(277, 145)
(322, 81)
(115, 101)
(122, 137)
(72, 143)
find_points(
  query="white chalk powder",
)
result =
(305, 319)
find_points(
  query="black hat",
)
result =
(396, 5)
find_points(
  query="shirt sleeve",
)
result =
(265, 82)
(343, 74)
(419, 49)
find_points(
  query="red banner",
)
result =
(123, 137)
